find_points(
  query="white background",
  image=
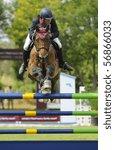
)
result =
(106, 138)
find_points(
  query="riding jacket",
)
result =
(54, 29)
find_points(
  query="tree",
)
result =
(80, 39)
(77, 22)
(5, 17)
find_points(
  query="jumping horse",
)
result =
(43, 65)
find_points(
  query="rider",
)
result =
(47, 17)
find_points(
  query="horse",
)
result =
(43, 65)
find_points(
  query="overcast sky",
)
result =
(7, 1)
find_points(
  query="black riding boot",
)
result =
(25, 62)
(62, 63)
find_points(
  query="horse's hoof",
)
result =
(46, 91)
(53, 100)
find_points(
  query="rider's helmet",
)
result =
(46, 13)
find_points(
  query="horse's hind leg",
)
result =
(31, 77)
(55, 87)
(52, 91)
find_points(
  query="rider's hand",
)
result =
(50, 35)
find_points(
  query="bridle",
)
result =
(38, 49)
(42, 36)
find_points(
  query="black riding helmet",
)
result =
(46, 13)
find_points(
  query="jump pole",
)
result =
(47, 113)
(49, 131)
(49, 96)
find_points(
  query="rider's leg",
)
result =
(62, 63)
(26, 54)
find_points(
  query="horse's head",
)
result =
(41, 33)
(42, 44)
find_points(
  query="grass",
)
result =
(21, 104)
(37, 137)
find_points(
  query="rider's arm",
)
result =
(33, 25)
(54, 29)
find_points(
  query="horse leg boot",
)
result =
(47, 84)
(24, 65)
(62, 63)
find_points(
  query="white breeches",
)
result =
(58, 42)
(28, 41)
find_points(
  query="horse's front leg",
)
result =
(47, 85)
(37, 73)
(50, 71)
